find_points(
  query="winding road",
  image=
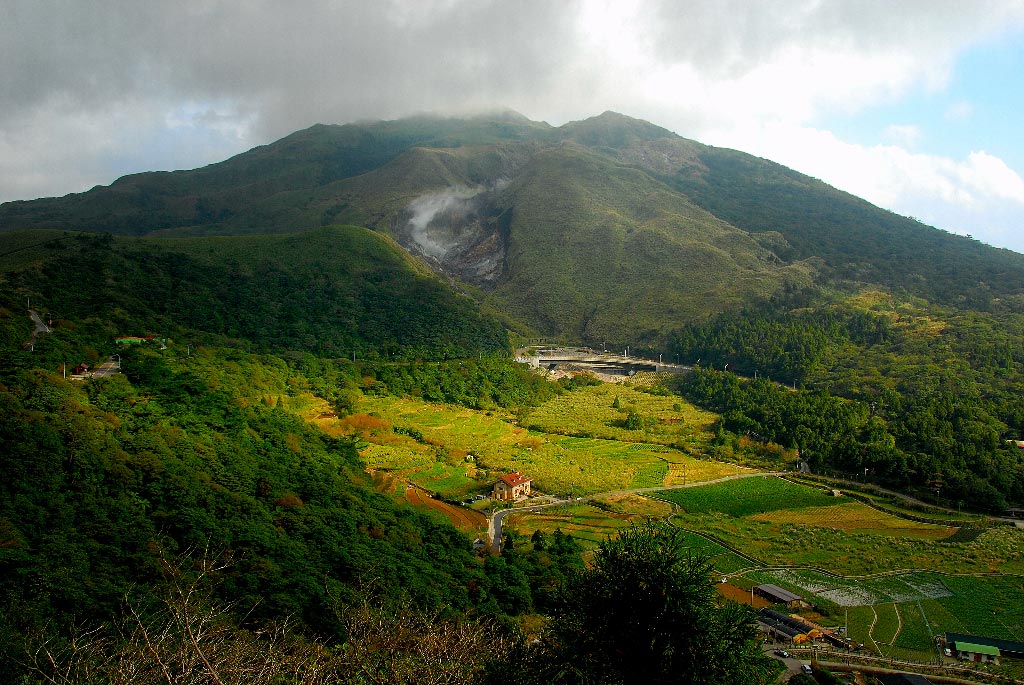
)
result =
(40, 328)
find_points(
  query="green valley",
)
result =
(269, 399)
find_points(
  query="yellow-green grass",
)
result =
(668, 420)
(887, 623)
(785, 524)
(559, 464)
(590, 523)
(894, 504)
(864, 552)
(855, 517)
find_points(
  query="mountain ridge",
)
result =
(473, 197)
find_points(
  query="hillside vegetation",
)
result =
(604, 229)
(337, 291)
(346, 266)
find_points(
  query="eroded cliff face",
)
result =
(459, 231)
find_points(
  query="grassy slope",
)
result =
(600, 251)
(857, 240)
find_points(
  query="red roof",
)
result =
(516, 478)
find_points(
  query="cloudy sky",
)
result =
(914, 105)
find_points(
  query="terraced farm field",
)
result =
(749, 496)
(855, 517)
(844, 558)
(592, 412)
(590, 523)
(411, 438)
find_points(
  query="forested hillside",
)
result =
(187, 489)
(337, 291)
(917, 397)
(608, 229)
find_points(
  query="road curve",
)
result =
(40, 328)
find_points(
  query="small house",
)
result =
(984, 649)
(984, 654)
(512, 486)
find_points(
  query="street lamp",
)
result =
(118, 360)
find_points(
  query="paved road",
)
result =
(107, 368)
(40, 328)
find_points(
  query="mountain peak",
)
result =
(613, 130)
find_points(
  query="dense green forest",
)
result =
(337, 292)
(195, 458)
(919, 398)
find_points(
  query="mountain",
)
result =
(396, 257)
(607, 229)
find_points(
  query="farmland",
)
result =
(845, 558)
(591, 522)
(600, 411)
(782, 523)
(454, 451)
(896, 582)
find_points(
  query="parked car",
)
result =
(806, 668)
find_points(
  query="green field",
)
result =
(782, 523)
(590, 412)
(587, 524)
(747, 496)
(842, 555)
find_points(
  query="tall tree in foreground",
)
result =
(644, 612)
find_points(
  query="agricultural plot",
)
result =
(591, 412)
(465, 520)
(590, 523)
(747, 497)
(559, 464)
(855, 517)
(990, 606)
(903, 612)
(587, 524)
(783, 524)
(722, 560)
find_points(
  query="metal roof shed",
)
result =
(776, 594)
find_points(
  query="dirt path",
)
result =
(461, 518)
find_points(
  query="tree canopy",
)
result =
(645, 612)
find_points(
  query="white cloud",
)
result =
(959, 111)
(88, 92)
(978, 195)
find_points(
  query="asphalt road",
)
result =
(40, 328)
(495, 526)
(107, 368)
